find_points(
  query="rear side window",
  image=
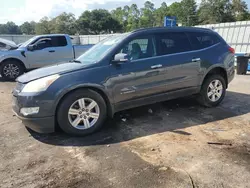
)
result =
(172, 42)
(200, 40)
(58, 41)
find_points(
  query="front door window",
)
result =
(139, 48)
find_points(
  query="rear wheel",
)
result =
(212, 91)
(82, 112)
(11, 69)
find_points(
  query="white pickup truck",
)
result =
(37, 52)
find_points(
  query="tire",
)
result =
(66, 117)
(206, 94)
(11, 69)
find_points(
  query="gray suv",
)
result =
(133, 69)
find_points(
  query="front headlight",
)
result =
(40, 85)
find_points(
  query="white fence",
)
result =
(237, 34)
(93, 39)
(17, 38)
(81, 39)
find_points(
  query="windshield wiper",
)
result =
(75, 61)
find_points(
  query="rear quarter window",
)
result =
(201, 40)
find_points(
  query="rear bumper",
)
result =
(40, 125)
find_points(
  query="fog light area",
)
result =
(29, 111)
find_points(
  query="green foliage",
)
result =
(9, 28)
(119, 15)
(175, 10)
(240, 10)
(216, 11)
(147, 15)
(28, 28)
(128, 18)
(160, 13)
(43, 26)
(133, 18)
(96, 22)
(188, 14)
(64, 23)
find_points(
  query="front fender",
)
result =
(15, 54)
(99, 88)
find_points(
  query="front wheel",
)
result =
(213, 91)
(82, 112)
(11, 69)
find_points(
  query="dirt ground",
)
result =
(170, 144)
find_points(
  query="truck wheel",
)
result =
(213, 91)
(82, 112)
(11, 69)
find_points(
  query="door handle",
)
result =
(156, 66)
(196, 59)
(51, 51)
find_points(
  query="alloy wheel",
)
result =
(11, 70)
(215, 90)
(83, 113)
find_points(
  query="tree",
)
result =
(240, 10)
(28, 28)
(118, 14)
(133, 18)
(127, 18)
(147, 15)
(97, 22)
(3, 29)
(160, 13)
(125, 10)
(121, 16)
(215, 11)
(43, 26)
(188, 15)
(64, 23)
(9, 28)
(175, 10)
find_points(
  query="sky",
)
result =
(20, 11)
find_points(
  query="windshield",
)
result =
(28, 41)
(99, 50)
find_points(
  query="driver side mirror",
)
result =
(31, 48)
(121, 58)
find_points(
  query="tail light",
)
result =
(232, 50)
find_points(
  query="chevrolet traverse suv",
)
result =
(125, 71)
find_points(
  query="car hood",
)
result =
(8, 42)
(50, 70)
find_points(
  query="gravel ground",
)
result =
(171, 144)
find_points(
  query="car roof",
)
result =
(52, 35)
(162, 29)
